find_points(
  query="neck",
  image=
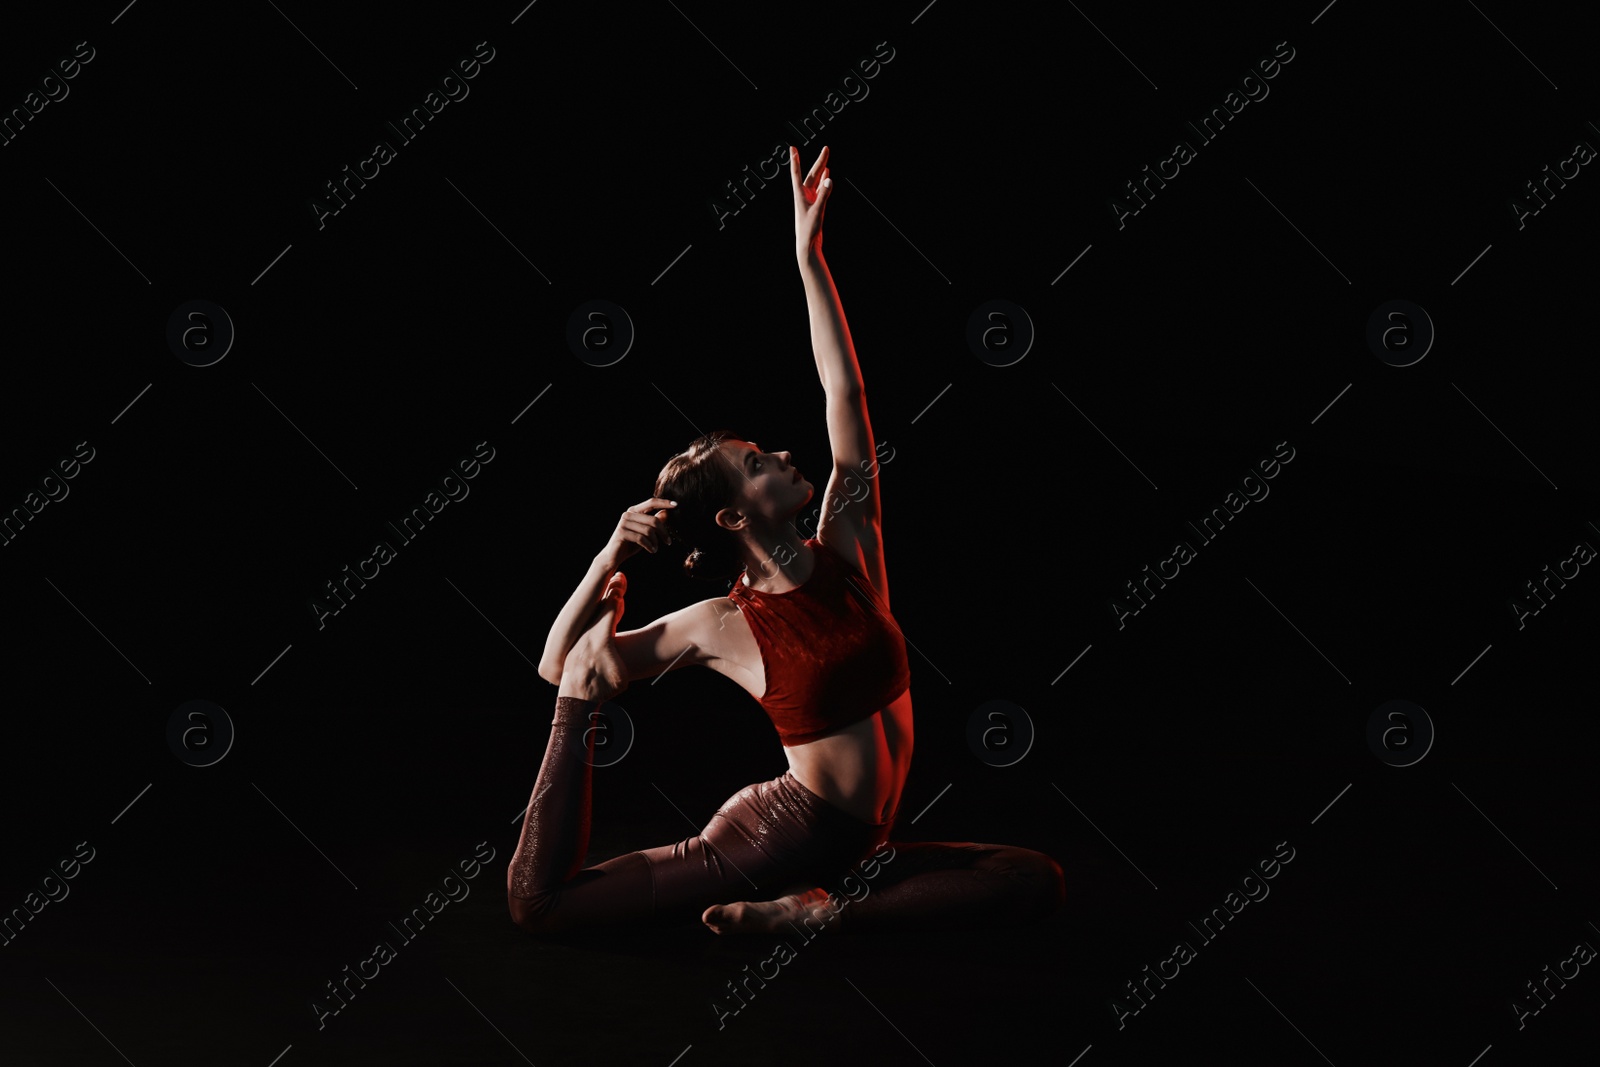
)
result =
(778, 561)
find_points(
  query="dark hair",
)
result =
(702, 481)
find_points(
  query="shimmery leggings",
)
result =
(768, 839)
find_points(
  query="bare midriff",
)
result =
(859, 768)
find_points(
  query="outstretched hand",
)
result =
(810, 201)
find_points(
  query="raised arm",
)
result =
(851, 510)
(849, 433)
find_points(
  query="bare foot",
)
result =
(618, 582)
(766, 916)
(598, 667)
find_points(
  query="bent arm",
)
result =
(570, 624)
(680, 638)
(677, 639)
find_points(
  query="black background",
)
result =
(376, 351)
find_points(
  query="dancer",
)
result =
(806, 630)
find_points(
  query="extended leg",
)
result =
(547, 887)
(929, 883)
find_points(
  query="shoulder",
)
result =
(717, 627)
(704, 617)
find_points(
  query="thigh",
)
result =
(899, 860)
(767, 839)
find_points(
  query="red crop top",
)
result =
(832, 654)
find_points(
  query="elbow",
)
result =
(550, 673)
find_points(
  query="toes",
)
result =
(612, 599)
(718, 917)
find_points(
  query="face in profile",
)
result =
(770, 486)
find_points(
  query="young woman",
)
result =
(805, 630)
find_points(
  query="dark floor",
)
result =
(1391, 919)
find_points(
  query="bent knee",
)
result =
(1053, 890)
(1041, 884)
(534, 914)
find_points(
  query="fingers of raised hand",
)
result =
(806, 189)
(662, 518)
(815, 174)
(645, 530)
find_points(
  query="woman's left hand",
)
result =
(810, 201)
